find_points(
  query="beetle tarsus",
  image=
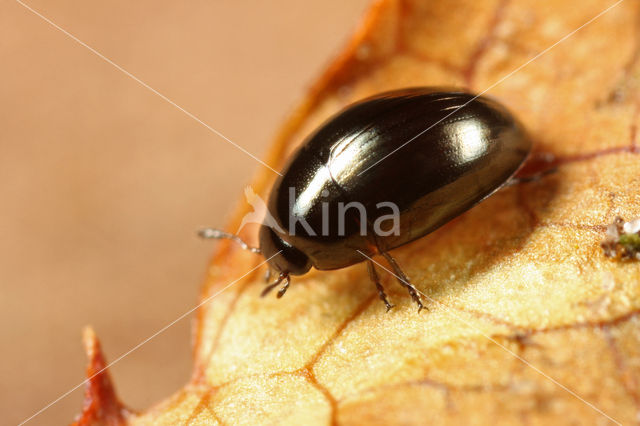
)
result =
(404, 280)
(283, 290)
(376, 280)
(273, 285)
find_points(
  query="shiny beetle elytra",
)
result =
(432, 152)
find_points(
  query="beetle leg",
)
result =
(267, 275)
(544, 163)
(531, 178)
(283, 290)
(404, 280)
(376, 280)
(273, 285)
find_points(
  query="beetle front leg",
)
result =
(404, 280)
(273, 285)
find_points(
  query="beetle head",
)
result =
(283, 256)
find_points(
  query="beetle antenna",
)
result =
(217, 234)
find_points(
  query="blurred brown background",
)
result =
(103, 183)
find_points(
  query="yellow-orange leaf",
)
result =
(528, 321)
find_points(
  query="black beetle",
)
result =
(433, 153)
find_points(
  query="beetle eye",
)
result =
(283, 256)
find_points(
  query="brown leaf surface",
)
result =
(521, 275)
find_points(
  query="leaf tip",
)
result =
(100, 405)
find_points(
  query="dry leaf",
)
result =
(100, 402)
(529, 321)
